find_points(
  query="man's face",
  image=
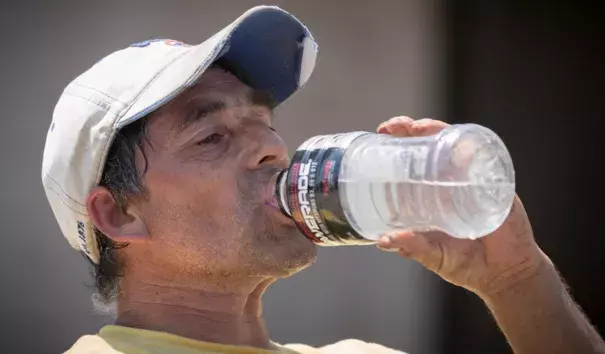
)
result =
(210, 154)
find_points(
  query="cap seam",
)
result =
(61, 189)
(60, 195)
(95, 102)
(100, 92)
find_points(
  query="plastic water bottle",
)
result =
(349, 189)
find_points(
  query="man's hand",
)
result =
(507, 269)
(484, 266)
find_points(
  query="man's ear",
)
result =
(117, 224)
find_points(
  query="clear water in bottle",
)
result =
(460, 181)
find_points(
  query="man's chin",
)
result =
(301, 263)
(283, 248)
(296, 256)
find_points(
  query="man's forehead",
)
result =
(219, 81)
(214, 90)
(219, 84)
(215, 84)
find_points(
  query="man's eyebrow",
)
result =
(197, 110)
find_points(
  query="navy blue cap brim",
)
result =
(269, 47)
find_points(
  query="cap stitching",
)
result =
(61, 189)
(96, 103)
(100, 92)
(65, 203)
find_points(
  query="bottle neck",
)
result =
(281, 196)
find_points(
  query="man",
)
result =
(156, 167)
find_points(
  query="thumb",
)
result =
(423, 247)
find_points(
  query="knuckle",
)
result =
(425, 123)
(401, 119)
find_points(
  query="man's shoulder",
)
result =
(349, 346)
(91, 344)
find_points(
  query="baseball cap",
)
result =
(274, 49)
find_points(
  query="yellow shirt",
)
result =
(124, 340)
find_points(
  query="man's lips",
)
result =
(272, 201)
(270, 195)
(279, 215)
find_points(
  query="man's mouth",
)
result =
(270, 195)
(272, 201)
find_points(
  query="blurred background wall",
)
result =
(534, 71)
(531, 71)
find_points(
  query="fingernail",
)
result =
(385, 240)
(385, 244)
(403, 119)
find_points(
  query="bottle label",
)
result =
(312, 190)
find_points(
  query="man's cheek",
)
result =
(217, 194)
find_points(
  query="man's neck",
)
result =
(211, 312)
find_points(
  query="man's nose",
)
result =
(266, 147)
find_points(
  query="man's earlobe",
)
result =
(117, 224)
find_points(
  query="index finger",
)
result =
(407, 127)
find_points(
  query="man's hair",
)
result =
(123, 180)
